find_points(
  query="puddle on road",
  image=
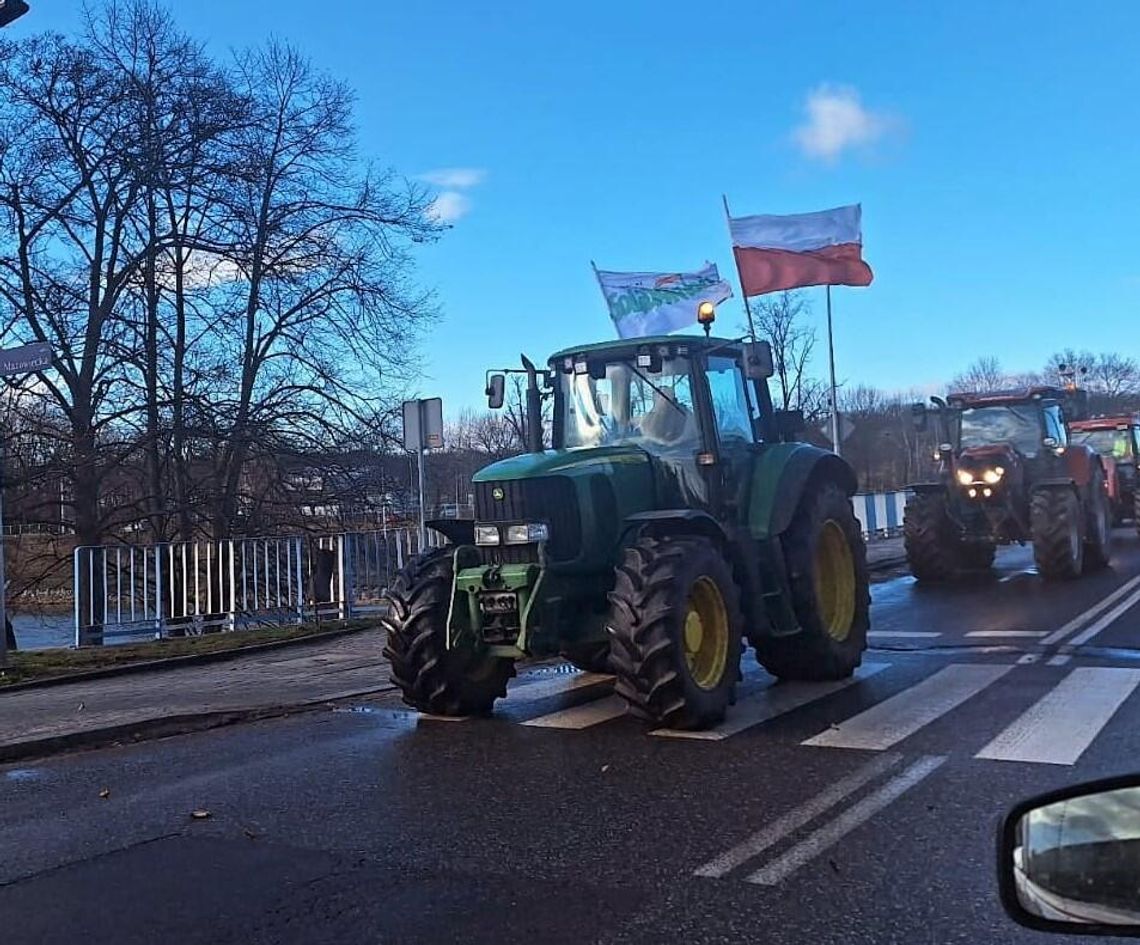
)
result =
(24, 774)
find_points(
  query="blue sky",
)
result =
(993, 147)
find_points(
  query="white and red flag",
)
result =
(774, 253)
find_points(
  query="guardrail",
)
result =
(880, 513)
(125, 592)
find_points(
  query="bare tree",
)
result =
(782, 319)
(984, 374)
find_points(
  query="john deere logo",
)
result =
(497, 493)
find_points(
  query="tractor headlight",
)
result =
(993, 476)
(965, 478)
(526, 534)
(487, 535)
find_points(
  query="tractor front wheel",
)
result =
(827, 568)
(932, 548)
(675, 631)
(433, 678)
(1058, 535)
(1098, 531)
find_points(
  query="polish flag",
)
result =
(774, 253)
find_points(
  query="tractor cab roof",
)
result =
(1119, 422)
(629, 347)
(1019, 395)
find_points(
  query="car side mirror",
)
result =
(789, 423)
(918, 417)
(1070, 861)
(758, 363)
(496, 390)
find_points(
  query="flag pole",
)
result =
(605, 298)
(831, 358)
(739, 277)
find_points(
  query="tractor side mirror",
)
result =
(789, 423)
(918, 417)
(758, 363)
(496, 390)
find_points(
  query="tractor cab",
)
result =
(1117, 440)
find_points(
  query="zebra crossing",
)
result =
(1066, 710)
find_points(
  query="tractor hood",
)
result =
(554, 462)
(986, 457)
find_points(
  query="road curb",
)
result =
(176, 662)
(166, 726)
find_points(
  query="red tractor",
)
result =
(1008, 473)
(1117, 439)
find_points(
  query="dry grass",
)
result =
(41, 664)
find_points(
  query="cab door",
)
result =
(736, 422)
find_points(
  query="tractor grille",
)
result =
(551, 500)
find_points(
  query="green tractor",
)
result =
(675, 517)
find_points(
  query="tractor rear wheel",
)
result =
(1098, 529)
(675, 631)
(591, 657)
(827, 568)
(977, 556)
(1058, 534)
(932, 548)
(433, 678)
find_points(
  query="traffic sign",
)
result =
(423, 424)
(846, 428)
(25, 359)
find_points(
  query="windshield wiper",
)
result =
(668, 399)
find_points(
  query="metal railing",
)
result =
(132, 592)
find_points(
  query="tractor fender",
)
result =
(672, 521)
(1083, 465)
(780, 478)
(459, 531)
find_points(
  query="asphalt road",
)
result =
(848, 814)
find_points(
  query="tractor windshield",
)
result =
(1017, 426)
(1114, 443)
(629, 405)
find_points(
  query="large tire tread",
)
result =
(932, 550)
(1053, 513)
(647, 607)
(432, 678)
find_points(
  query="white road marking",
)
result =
(1027, 658)
(1089, 632)
(1007, 633)
(772, 834)
(428, 717)
(830, 833)
(900, 716)
(1060, 659)
(582, 716)
(1063, 723)
(1081, 619)
(771, 702)
(896, 634)
(562, 683)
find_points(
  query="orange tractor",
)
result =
(1117, 439)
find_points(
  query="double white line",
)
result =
(828, 834)
(1130, 591)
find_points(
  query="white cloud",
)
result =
(449, 206)
(455, 178)
(836, 121)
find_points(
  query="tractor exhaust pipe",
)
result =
(533, 407)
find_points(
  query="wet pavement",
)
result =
(862, 812)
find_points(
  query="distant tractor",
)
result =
(1117, 440)
(675, 516)
(1008, 472)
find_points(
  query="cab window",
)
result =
(1054, 426)
(730, 401)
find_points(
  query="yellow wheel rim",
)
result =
(705, 634)
(835, 581)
